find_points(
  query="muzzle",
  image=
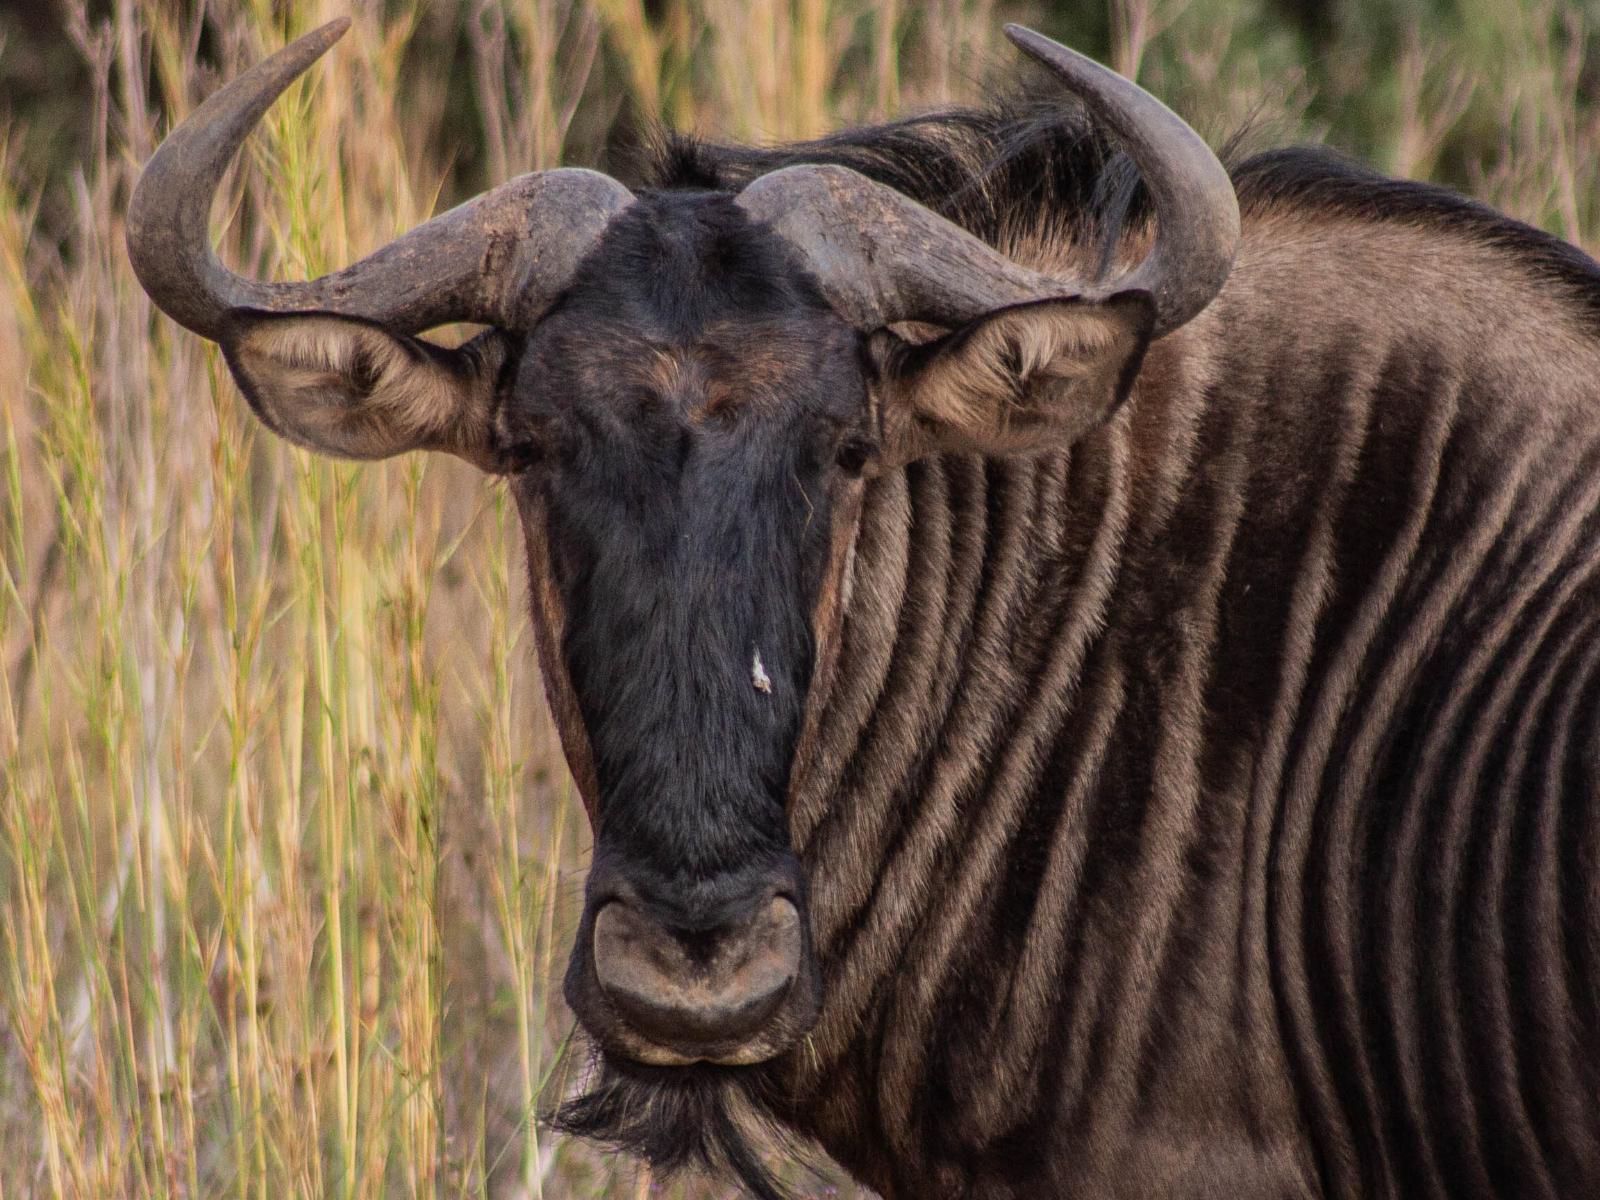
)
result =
(727, 978)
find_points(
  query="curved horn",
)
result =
(499, 259)
(1197, 212)
(883, 258)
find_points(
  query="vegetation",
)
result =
(289, 861)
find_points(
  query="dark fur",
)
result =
(687, 501)
(981, 168)
(679, 1118)
(680, 546)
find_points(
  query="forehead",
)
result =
(674, 264)
(685, 298)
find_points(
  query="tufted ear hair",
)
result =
(1014, 381)
(350, 388)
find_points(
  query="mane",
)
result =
(1324, 182)
(1018, 168)
(1037, 166)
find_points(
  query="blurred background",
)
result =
(289, 860)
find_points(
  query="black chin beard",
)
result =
(678, 1118)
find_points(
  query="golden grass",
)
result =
(288, 855)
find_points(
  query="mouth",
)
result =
(701, 1032)
(632, 1048)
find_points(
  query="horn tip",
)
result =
(1045, 50)
(326, 35)
(309, 47)
(1023, 37)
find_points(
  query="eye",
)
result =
(854, 453)
(520, 456)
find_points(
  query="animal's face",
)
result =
(688, 429)
(700, 417)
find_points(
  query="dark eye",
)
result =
(853, 455)
(520, 456)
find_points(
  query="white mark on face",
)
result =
(758, 674)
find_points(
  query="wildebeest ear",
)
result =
(353, 389)
(1014, 381)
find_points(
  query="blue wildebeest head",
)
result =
(689, 391)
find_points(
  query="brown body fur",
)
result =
(1281, 690)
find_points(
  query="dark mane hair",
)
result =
(1021, 165)
(1323, 181)
(1025, 163)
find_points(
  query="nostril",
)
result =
(724, 987)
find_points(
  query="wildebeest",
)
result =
(1084, 669)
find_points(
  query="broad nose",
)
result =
(703, 988)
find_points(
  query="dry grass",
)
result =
(288, 857)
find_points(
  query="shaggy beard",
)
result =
(678, 1117)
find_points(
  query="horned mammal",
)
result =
(1143, 741)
